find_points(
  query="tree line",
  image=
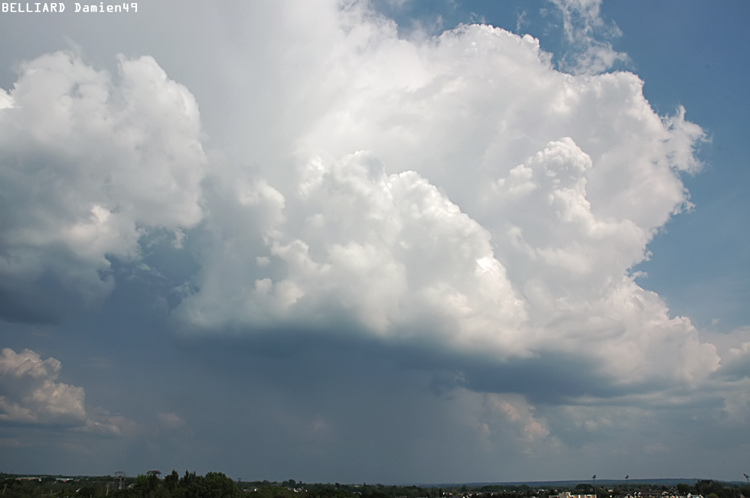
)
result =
(218, 485)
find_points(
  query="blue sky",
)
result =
(713, 256)
(397, 241)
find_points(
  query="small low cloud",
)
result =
(30, 395)
(171, 423)
(735, 364)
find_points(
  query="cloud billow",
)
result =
(460, 191)
(88, 166)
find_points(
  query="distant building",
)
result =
(568, 494)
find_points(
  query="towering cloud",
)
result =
(462, 192)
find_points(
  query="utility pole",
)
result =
(594, 478)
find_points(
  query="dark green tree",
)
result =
(213, 485)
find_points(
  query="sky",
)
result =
(395, 241)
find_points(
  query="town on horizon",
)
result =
(215, 484)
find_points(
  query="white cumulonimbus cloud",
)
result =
(461, 191)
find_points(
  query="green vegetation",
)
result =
(212, 485)
(218, 485)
